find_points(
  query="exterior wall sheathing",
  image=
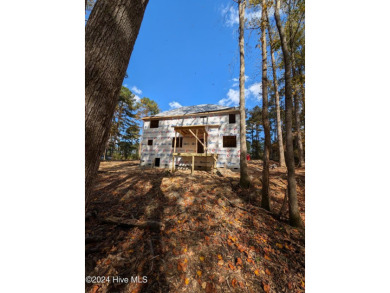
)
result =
(163, 135)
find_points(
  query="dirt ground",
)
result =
(213, 235)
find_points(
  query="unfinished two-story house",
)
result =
(195, 137)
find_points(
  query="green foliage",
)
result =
(254, 129)
(146, 107)
(125, 129)
(293, 21)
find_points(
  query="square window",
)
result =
(179, 142)
(232, 118)
(229, 141)
(150, 141)
(154, 123)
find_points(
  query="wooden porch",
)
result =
(200, 132)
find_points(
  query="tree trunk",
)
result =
(118, 126)
(278, 121)
(252, 131)
(106, 148)
(244, 178)
(301, 157)
(110, 35)
(297, 112)
(265, 204)
(294, 216)
(140, 141)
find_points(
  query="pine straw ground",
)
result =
(208, 244)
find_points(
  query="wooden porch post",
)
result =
(196, 137)
(204, 140)
(196, 141)
(174, 151)
(193, 163)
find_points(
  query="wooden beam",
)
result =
(202, 143)
(192, 154)
(227, 111)
(193, 164)
(196, 144)
(174, 151)
(204, 140)
(196, 137)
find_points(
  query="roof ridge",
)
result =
(185, 110)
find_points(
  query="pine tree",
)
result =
(294, 216)
(265, 203)
(277, 99)
(244, 177)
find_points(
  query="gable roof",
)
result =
(204, 108)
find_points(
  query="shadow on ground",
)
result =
(214, 239)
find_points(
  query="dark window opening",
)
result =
(150, 141)
(154, 123)
(157, 162)
(200, 146)
(229, 142)
(232, 118)
(179, 142)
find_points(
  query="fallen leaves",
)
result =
(234, 239)
(250, 260)
(266, 287)
(238, 262)
(182, 266)
(253, 247)
(289, 247)
(95, 288)
(240, 247)
(210, 288)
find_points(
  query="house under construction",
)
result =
(196, 137)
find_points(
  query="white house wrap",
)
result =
(207, 134)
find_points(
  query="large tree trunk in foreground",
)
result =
(277, 100)
(294, 216)
(244, 178)
(110, 35)
(267, 133)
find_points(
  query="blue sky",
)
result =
(187, 53)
